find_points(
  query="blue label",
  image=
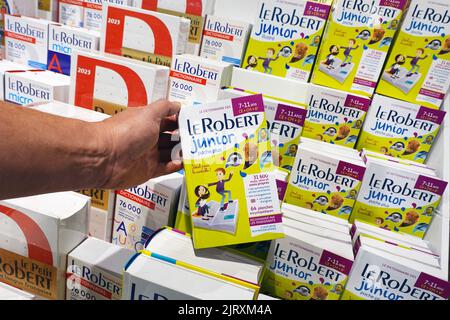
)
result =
(236, 62)
(58, 62)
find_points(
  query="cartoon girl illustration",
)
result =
(203, 194)
(334, 51)
(315, 42)
(395, 68)
(252, 63)
(263, 135)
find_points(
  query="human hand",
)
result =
(131, 142)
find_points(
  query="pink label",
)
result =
(432, 284)
(248, 104)
(431, 185)
(350, 170)
(431, 115)
(359, 103)
(290, 114)
(317, 10)
(398, 4)
(261, 221)
(432, 94)
(281, 186)
(366, 83)
(353, 230)
(333, 261)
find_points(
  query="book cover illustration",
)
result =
(398, 199)
(231, 191)
(400, 129)
(356, 42)
(334, 116)
(286, 37)
(418, 67)
(324, 183)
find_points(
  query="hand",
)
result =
(131, 142)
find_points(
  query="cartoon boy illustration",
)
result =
(334, 51)
(429, 140)
(203, 194)
(358, 125)
(379, 221)
(429, 212)
(292, 150)
(348, 57)
(220, 186)
(268, 59)
(415, 68)
(395, 68)
(352, 194)
(252, 63)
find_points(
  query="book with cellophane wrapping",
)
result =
(230, 183)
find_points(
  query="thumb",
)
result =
(164, 108)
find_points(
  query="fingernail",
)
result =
(176, 103)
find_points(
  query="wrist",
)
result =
(99, 154)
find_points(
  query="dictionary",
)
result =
(295, 211)
(48, 10)
(195, 80)
(333, 148)
(380, 275)
(102, 201)
(225, 39)
(334, 116)
(409, 164)
(398, 249)
(286, 90)
(360, 227)
(71, 12)
(322, 231)
(110, 84)
(324, 182)
(93, 12)
(15, 7)
(395, 197)
(315, 220)
(144, 209)
(285, 125)
(303, 266)
(63, 40)
(356, 43)
(6, 66)
(183, 219)
(36, 234)
(401, 129)
(155, 277)
(94, 271)
(194, 10)
(10, 293)
(176, 245)
(232, 195)
(417, 69)
(285, 37)
(142, 34)
(26, 41)
(35, 86)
